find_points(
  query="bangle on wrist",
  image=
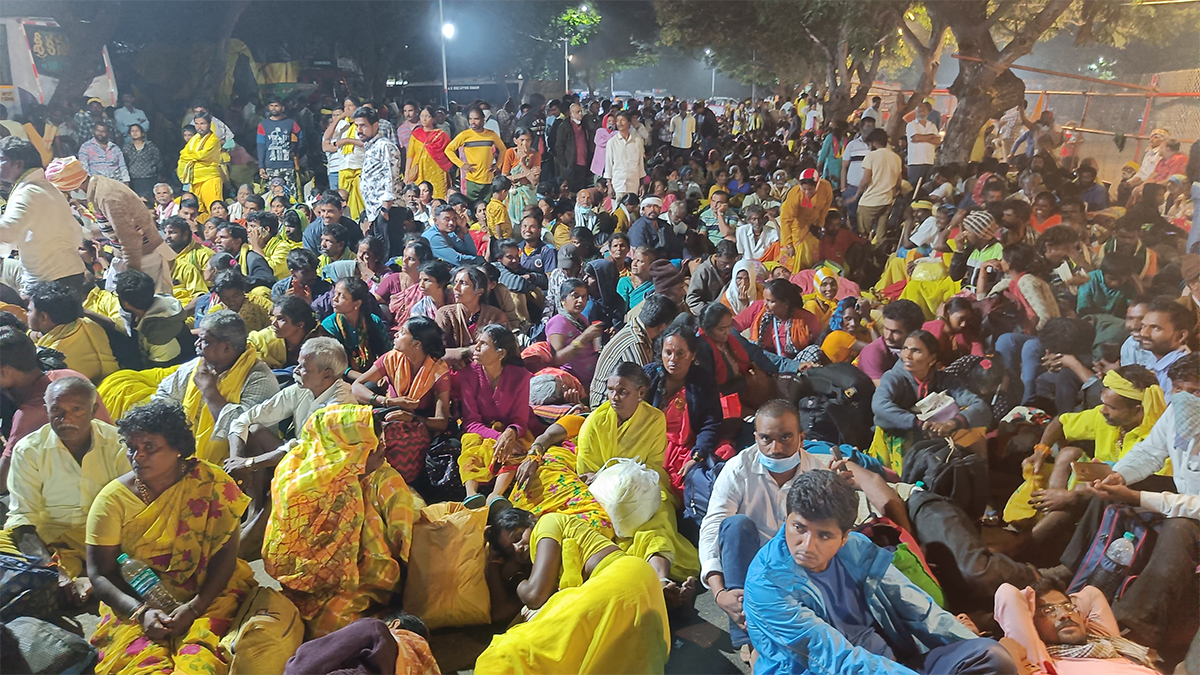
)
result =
(346, 372)
(136, 614)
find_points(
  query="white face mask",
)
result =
(680, 227)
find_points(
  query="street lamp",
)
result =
(447, 34)
(448, 31)
(708, 52)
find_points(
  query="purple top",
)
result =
(483, 406)
(876, 359)
(583, 365)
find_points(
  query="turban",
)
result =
(1150, 398)
(651, 201)
(66, 174)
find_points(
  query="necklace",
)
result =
(144, 492)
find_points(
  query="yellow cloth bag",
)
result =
(266, 632)
(446, 565)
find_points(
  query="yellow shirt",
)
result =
(50, 490)
(271, 348)
(481, 148)
(561, 235)
(277, 250)
(579, 542)
(85, 345)
(497, 218)
(1089, 425)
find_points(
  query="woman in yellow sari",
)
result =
(546, 481)
(179, 515)
(341, 520)
(427, 159)
(598, 610)
(200, 165)
(626, 426)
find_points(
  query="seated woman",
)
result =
(683, 392)
(571, 339)
(292, 322)
(200, 303)
(417, 391)
(598, 610)
(232, 290)
(494, 391)
(57, 322)
(627, 426)
(914, 377)
(1028, 291)
(778, 323)
(546, 481)
(462, 320)
(341, 520)
(743, 288)
(416, 254)
(179, 516)
(957, 329)
(844, 337)
(822, 301)
(606, 306)
(434, 282)
(355, 324)
(740, 368)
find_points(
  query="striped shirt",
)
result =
(629, 344)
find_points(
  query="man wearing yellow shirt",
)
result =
(55, 474)
(482, 147)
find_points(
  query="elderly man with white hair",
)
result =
(255, 448)
(56, 473)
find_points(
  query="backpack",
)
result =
(1116, 521)
(698, 487)
(950, 471)
(835, 404)
(27, 588)
(35, 647)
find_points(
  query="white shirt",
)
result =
(50, 490)
(745, 487)
(1149, 455)
(259, 386)
(873, 113)
(37, 221)
(920, 153)
(753, 248)
(812, 118)
(925, 233)
(856, 150)
(625, 162)
(295, 402)
(354, 160)
(1149, 163)
(124, 118)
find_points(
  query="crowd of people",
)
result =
(593, 358)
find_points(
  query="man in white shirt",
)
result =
(923, 139)
(253, 446)
(127, 115)
(748, 505)
(852, 158)
(881, 176)
(37, 219)
(756, 235)
(1153, 156)
(874, 113)
(624, 158)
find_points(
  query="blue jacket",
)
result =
(451, 248)
(704, 406)
(789, 623)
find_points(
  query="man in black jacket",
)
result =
(573, 149)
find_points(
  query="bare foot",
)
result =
(687, 592)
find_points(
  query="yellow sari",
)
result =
(558, 489)
(613, 622)
(425, 168)
(126, 389)
(85, 345)
(230, 385)
(177, 535)
(335, 536)
(348, 179)
(200, 167)
(642, 437)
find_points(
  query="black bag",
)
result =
(698, 487)
(950, 471)
(36, 647)
(27, 588)
(441, 482)
(835, 404)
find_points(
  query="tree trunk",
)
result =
(931, 60)
(210, 83)
(85, 40)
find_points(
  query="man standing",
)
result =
(127, 115)
(877, 191)
(683, 129)
(481, 147)
(923, 139)
(278, 138)
(38, 220)
(873, 113)
(92, 114)
(412, 120)
(624, 159)
(123, 219)
(101, 157)
(573, 150)
(852, 158)
(221, 130)
(381, 178)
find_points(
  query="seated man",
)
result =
(633, 343)
(254, 448)
(232, 239)
(156, 321)
(899, 319)
(303, 280)
(822, 599)
(221, 383)
(56, 473)
(1159, 607)
(57, 315)
(1073, 634)
(669, 281)
(750, 496)
(711, 277)
(524, 284)
(450, 242)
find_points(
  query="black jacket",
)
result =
(704, 407)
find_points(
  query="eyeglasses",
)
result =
(1067, 607)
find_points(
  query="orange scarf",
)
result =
(797, 333)
(403, 383)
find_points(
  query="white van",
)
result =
(32, 56)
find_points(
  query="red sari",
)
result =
(680, 438)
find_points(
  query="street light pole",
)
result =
(445, 79)
(566, 65)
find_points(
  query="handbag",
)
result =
(27, 588)
(950, 471)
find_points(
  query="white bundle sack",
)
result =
(629, 493)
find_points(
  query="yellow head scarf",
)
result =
(1151, 398)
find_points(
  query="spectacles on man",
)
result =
(1067, 607)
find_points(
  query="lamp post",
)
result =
(447, 34)
(566, 65)
(708, 52)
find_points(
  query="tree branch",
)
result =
(1024, 39)
(1001, 9)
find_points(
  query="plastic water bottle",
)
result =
(146, 584)
(1120, 556)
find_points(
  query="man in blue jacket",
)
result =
(821, 599)
(448, 241)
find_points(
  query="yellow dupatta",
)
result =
(277, 250)
(44, 144)
(348, 178)
(85, 345)
(642, 437)
(200, 160)
(230, 385)
(271, 348)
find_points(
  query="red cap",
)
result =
(809, 175)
